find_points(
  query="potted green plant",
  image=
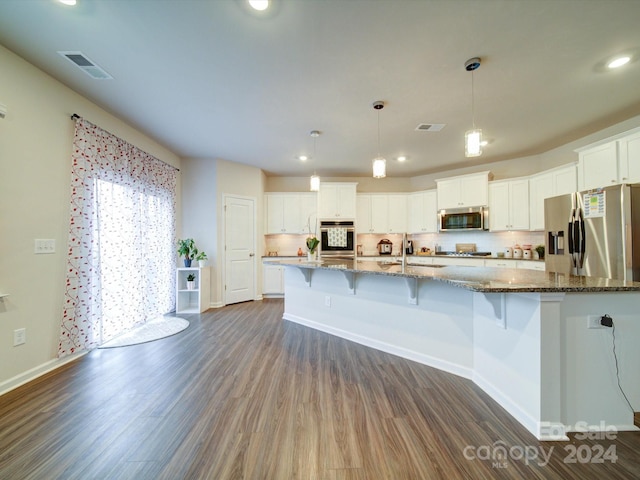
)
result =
(187, 249)
(191, 281)
(312, 241)
(540, 251)
(201, 257)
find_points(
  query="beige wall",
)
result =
(242, 180)
(35, 153)
(206, 183)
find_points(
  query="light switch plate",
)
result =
(44, 245)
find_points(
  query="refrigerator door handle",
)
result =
(570, 234)
(583, 239)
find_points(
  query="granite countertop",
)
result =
(413, 256)
(478, 279)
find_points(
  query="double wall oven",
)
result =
(337, 238)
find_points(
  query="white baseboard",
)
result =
(384, 347)
(38, 371)
(508, 404)
(216, 305)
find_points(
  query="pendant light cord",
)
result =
(378, 133)
(473, 105)
(314, 153)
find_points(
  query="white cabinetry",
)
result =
(381, 213)
(529, 265)
(422, 208)
(610, 163)
(548, 184)
(289, 212)
(598, 166)
(337, 200)
(420, 260)
(397, 213)
(372, 213)
(463, 191)
(459, 261)
(629, 155)
(272, 280)
(194, 300)
(509, 205)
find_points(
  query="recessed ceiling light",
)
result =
(618, 62)
(68, 2)
(259, 5)
(303, 158)
(402, 158)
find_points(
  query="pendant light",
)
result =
(314, 181)
(473, 137)
(379, 163)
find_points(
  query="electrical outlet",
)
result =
(19, 336)
(327, 301)
(593, 321)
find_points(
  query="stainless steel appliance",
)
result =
(594, 233)
(385, 246)
(456, 219)
(408, 249)
(337, 238)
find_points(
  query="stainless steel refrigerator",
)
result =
(594, 233)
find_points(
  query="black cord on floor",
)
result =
(615, 357)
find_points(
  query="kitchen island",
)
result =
(521, 335)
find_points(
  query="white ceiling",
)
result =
(209, 79)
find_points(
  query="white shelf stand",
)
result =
(196, 300)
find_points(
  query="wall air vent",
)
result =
(89, 67)
(430, 127)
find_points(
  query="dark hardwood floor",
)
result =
(243, 394)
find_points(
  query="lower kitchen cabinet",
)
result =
(194, 298)
(529, 265)
(272, 280)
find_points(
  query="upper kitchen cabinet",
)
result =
(397, 213)
(463, 191)
(289, 212)
(549, 183)
(598, 166)
(381, 213)
(509, 205)
(372, 213)
(422, 212)
(629, 155)
(337, 200)
(610, 163)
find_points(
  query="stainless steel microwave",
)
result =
(457, 219)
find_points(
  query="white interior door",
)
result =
(239, 281)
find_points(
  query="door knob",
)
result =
(251, 254)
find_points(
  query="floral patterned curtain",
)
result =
(121, 258)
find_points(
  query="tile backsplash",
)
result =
(287, 245)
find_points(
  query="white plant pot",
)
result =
(191, 285)
(202, 263)
(312, 256)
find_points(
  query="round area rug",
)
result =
(156, 329)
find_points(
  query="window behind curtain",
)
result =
(121, 258)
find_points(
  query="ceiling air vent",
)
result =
(430, 127)
(80, 60)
